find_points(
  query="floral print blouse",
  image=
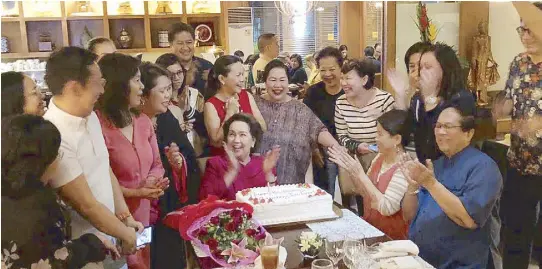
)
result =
(524, 87)
(35, 232)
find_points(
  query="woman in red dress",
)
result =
(384, 186)
(227, 77)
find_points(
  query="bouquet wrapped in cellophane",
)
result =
(225, 231)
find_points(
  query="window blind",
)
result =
(302, 35)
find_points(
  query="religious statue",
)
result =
(163, 8)
(125, 8)
(483, 68)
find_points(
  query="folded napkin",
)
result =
(397, 248)
(400, 246)
(408, 262)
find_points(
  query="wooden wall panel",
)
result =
(351, 27)
(390, 37)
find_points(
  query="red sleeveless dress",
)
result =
(220, 106)
(394, 226)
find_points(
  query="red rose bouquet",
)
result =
(225, 231)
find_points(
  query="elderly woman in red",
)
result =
(384, 185)
(131, 142)
(237, 169)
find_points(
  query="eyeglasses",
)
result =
(178, 74)
(522, 30)
(446, 127)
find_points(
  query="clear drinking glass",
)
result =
(353, 252)
(335, 251)
(270, 256)
(321, 264)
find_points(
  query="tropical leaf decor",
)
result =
(428, 30)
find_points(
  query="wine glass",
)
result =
(321, 264)
(353, 252)
(334, 251)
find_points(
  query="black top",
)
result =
(323, 105)
(35, 227)
(199, 82)
(299, 76)
(423, 122)
(168, 130)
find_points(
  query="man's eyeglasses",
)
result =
(522, 30)
(446, 127)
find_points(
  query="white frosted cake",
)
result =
(288, 203)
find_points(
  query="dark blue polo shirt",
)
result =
(475, 179)
(200, 82)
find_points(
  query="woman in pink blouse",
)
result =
(131, 142)
(237, 169)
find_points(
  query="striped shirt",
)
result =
(358, 125)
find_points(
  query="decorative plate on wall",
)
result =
(204, 33)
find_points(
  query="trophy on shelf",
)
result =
(163, 8)
(83, 6)
(45, 43)
(201, 6)
(125, 8)
(44, 8)
(124, 39)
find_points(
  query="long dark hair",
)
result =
(394, 122)
(452, 75)
(117, 69)
(221, 67)
(12, 93)
(29, 145)
(417, 47)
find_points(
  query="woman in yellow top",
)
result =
(314, 76)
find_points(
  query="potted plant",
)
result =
(309, 244)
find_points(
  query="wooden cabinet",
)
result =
(64, 24)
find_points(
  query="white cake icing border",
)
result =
(290, 219)
(293, 220)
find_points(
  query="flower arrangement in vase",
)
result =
(428, 30)
(225, 231)
(309, 244)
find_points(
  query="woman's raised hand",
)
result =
(232, 105)
(271, 159)
(415, 172)
(398, 82)
(340, 156)
(174, 156)
(429, 82)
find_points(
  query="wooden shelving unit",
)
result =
(66, 29)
